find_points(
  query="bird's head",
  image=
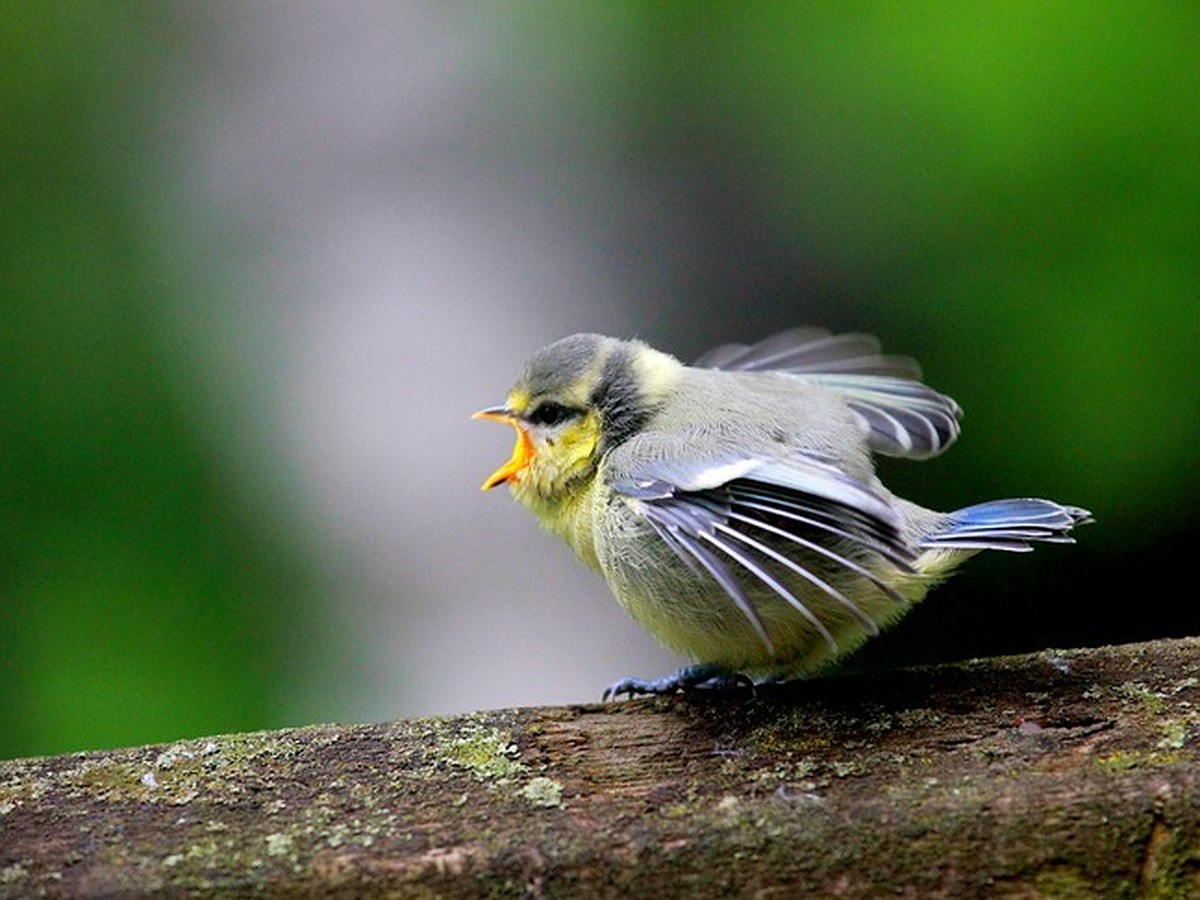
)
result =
(574, 401)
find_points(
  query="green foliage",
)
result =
(135, 597)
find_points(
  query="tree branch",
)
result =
(1056, 773)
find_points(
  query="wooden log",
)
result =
(1063, 773)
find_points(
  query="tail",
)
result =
(1007, 525)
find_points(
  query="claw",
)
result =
(702, 676)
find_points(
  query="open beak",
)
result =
(522, 452)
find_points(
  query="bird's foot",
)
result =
(702, 677)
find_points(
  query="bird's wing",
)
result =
(740, 517)
(900, 415)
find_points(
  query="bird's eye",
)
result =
(551, 413)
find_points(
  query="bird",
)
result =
(732, 505)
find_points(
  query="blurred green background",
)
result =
(211, 214)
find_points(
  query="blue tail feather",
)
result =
(1008, 525)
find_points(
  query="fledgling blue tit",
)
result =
(732, 505)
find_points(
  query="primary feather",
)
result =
(900, 415)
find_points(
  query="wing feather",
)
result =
(867, 622)
(838, 558)
(900, 415)
(846, 524)
(688, 548)
(802, 350)
(712, 528)
(901, 418)
(763, 575)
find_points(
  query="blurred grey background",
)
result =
(260, 262)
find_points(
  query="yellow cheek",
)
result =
(578, 444)
(558, 462)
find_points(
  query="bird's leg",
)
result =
(701, 676)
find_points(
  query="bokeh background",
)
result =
(259, 263)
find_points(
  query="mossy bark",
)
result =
(1057, 774)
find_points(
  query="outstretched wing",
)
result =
(900, 415)
(746, 518)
